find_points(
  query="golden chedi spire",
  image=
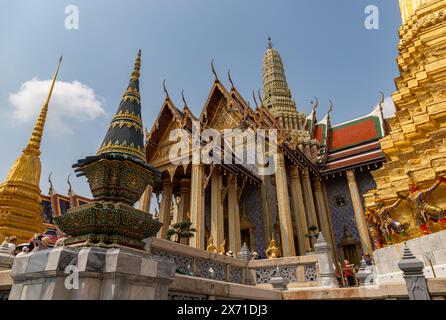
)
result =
(20, 200)
(276, 94)
(415, 146)
(409, 7)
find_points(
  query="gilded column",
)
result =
(144, 202)
(233, 215)
(299, 210)
(323, 211)
(217, 218)
(166, 202)
(197, 206)
(283, 206)
(309, 201)
(359, 213)
(183, 204)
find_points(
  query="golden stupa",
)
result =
(415, 144)
(20, 200)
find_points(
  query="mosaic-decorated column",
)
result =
(309, 201)
(197, 206)
(144, 202)
(233, 215)
(299, 210)
(283, 206)
(166, 202)
(359, 213)
(217, 218)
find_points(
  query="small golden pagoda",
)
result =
(20, 198)
(415, 144)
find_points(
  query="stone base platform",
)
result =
(90, 273)
(431, 249)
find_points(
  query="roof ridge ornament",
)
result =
(165, 90)
(230, 79)
(314, 103)
(270, 44)
(260, 97)
(254, 97)
(213, 70)
(184, 100)
(330, 108)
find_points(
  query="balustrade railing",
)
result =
(190, 261)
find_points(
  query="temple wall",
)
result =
(251, 201)
(341, 214)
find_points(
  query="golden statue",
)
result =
(273, 250)
(425, 211)
(222, 248)
(211, 247)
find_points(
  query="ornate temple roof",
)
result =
(352, 143)
(125, 135)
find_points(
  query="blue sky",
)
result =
(325, 47)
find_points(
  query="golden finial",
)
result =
(165, 89)
(222, 250)
(210, 247)
(270, 44)
(137, 68)
(36, 137)
(273, 250)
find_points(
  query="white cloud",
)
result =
(70, 101)
(388, 107)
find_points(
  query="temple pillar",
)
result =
(308, 191)
(359, 213)
(183, 204)
(197, 212)
(283, 206)
(299, 210)
(323, 211)
(144, 202)
(217, 215)
(266, 206)
(233, 215)
(166, 202)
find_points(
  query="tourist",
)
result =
(12, 243)
(24, 252)
(348, 273)
(38, 243)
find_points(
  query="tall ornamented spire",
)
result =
(36, 137)
(276, 94)
(125, 136)
(20, 199)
